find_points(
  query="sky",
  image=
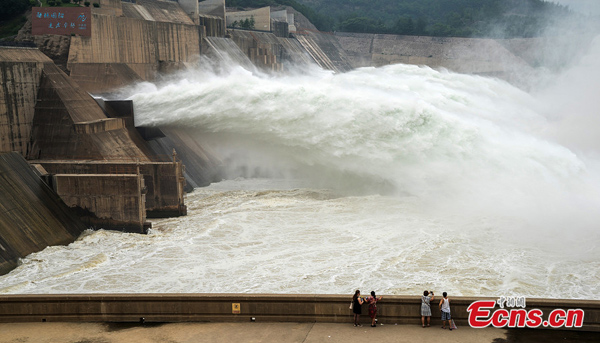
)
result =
(584, 6)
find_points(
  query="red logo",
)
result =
(481, 316)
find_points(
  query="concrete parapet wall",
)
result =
(105, 201)
(32, 216)
(262, 307)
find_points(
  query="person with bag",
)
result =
(355, 306)
(372, 301)
(445, 308)
(426, 307)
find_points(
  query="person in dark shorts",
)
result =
(445, 308)
(357, 301)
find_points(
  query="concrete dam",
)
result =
(78, 154)
(113, 174)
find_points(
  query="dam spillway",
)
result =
(307, 186)
(417, 192)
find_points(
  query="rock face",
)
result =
(54, 46)
(32, 216)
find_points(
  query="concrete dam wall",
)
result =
(163, 181)
(325, 49)
(46, 115)
(225, 49)
(20, 72)
(150, 37)
(69, 124)
(463, 55)
(32, 216)
(244, 307)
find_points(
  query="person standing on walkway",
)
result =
(426, 307)
(445, 308)
(372, 301)
(357, 301)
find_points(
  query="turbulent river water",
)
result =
(395, 179)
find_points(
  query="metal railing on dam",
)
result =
(250, 307)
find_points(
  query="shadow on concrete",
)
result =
(112, 327)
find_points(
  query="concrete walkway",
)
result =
(270, 333)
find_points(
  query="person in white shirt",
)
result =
(445, 308)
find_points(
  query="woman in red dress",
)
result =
(372, 301)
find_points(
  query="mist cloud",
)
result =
(591, 7)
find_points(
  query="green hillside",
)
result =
(457, 18)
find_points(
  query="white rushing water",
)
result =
(394, 179)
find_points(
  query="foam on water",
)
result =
(397, 179)
(240, 237)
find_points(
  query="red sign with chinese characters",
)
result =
(61, 21)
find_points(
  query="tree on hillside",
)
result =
(461, 18)
(321, 21)
(247, 23)
(11, 8)
(404, 26)
(421, 27)
(362, 24)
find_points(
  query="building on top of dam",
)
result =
(260, 16)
